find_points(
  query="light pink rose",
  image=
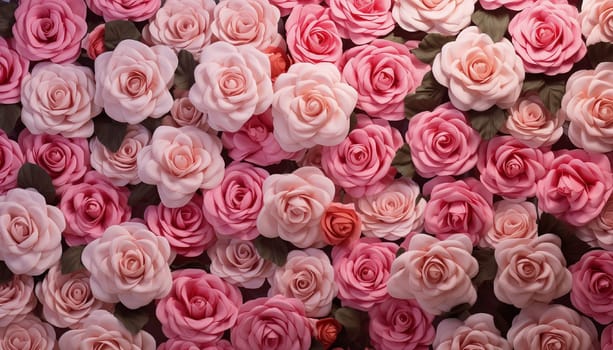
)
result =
(135, 11)
(12, 159)
(275, 323)
(93, 43)
(437, 274)
(479, 72)
(132, 81)
(511, 220)
(30, 232)
(592, 285)
(50, 30)
(576, 187)
(544, 327)
(293, 205)
(400, 324)
(442, 142)
(514, 5)
(598, 232)
(232, 84)
(178, 344)
(393, 70)
(478, 330)
(28, 334)
(14, 68)
(596, 17)
(238, 262)
(444, 17)
(531, 123)
(128, 264)
(361, 22)
(100, 329)
(286, 6)
(311, 106)
(184, 113)
(17, 299)
(587, 104)
(362, 272)
(180, 161)
(606, 338)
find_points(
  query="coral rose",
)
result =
(478, 330)
(360, 22)
(511, 220)
(17, 299)
(592, 291)
(28, 334)
(596, 17)
(12, 159)
(443, 17)
(14, 68)
(136, 11)
(341, 224)
(239, 263)
(93, 43)
(400, 324)
(327, 330)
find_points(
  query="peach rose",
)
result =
(311, 106)
(400, 324)
(12, 159)
(592, 288)
(511, 220)
(180, 161)
(341, 224)
(17, 299)
(478, 330)
(443, 17)
(184, 113)
(28, 334)
(135, 11)
(361, 23)
(93, 43)
(132, 81)
(437, 274)
(239, 263)
(479, 72)
(14, 68)
(598, 232)
(596, 17)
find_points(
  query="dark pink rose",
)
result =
(11, 159)
(93, 43)
(400, 324)
(362, 22)
(13, 68)
(606, 338)
(592, 291)
(135, 11)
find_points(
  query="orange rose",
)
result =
(340, 223)
(279, 61)
(326, 331)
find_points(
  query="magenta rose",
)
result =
(596, 16)
(29, 333)
(478, 330)
(606, 338)
(238, 262)
(14, 68)
(135, 11)
(446, 17)
(17, 299)
(361, 22)
(12, 159)
(400, 324)
(592, 290)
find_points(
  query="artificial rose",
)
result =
(279, 61)
(327, 331)
(11, 160)
(311, 106)
(14, 68)
(400, 324)
(178, 344)
(606, 338)
(478, 330)
(596, 17)
(184, 113)
(514, 5)
(479, 72)
(128, 264)
(437, 274)
(93, 43)
(50, 30)
(341, 224)
(30, 232)
(361, 22)
(29, 333)
(311, 157)
(286, 6)
(17, 299)
(136, 11)
(232, 83)
(132, 81)
(444, 17)
(511, 220)
(180, 161)
(597, 232)
(592, 285)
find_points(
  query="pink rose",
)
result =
(93, 43)
(393, 70)
(462, 206)
(437, 274)
(587, 105)
(28, 334)
(340, 224)
(400, 324)
(606, 338)
(478, 330)
(286, 6)
(598, 231)
(232, 84)
(444, 17)
(30, 232)
(135, 11)
(100, 329)
(514, 5)
(511, 220)
(442, 142)
(531, 271)
(11, 161)
(596, 17)
(479, 72)
(178, 344)
(186, 228)
(50, 30)
(311, 157)
(180, 161)
(275, 323)
(359, 22)
(128, 264)
(58, 99)
(362, 271)
(592, 287)
(132, 81)
(184, 113)
(576, 187)
(14, 68)
(17, 299)
(238, 262)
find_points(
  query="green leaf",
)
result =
(487, 265)
(117, 31)
(572, 247)
(487, 123)
(459, 311)
(600, 52)
(430, 46)
(427, 96)
(32, 176)
(352, 321)
(152, 123)
(9, 115)
(493, 23)
(395, 38)
(272, 249)
(109, 132)
(133, 320)
(403, 162)
(532, 85)
(551, 95)
(143, 194)
(6, 275)
(400, 251)
(353, 121)
(71, 259)
(316, 345)
(184, 75)
(7, 19)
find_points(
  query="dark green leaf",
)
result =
(184, 75)
(493, 23)
(109, 132)
(151, 124)
(353, 121)
(572, 247)
(9, 115)
(600, 52)
(430, 46)
(487, 123)
(532, 85)
(7, 19)
(272, 249)
(551, 95)
(133, 320)
(71, 259)
(352, 321)
(143, 194)
(400, 251)
(459, 311)
(403, 162)
(32, 176)
(395, 38)
(487, 265)
(427, 96)
(316, 345)
(6, 275)
(117, 31)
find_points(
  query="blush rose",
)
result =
(17, 299)
(442, 17)
(136, 11)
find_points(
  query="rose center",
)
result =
(132, 264)
(133, 83)
(384, 79)
(514, 167)
(552, 341)
(232, 83)
(570, 186)
(199, 307)
(20, 229)
(546, 33)
(434, 271)
(319, 41)
(603, 108)
(527, 269)
(479, 68)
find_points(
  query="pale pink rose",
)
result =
(30, 232)
(545, 327)
(598, 232)
(182, 25)
(576, 187)
(135, 11)
(361, 22)
(100, 329)
(239, 263)
(293, 205)
(128, 264)
(246, 22)
(14, 68)
(286, 6)
(361, 272)
(120, 167)
(596, 17)
(511, 220)
(606, 338)
(442, 142)
(393, 212)
(478, 330)
(17, 299)
(50, 30)
(479, 72)
(340, 224)
(93, 43)
(393, 70)
(275, 323)
(531, 123)
(91, 206)
(309, 277)
(462, 206)
(531, 270)
(311, 106)
(184, 113)
(28, 334)
(443, 17)
(437, 274)
(186, 228)
(511, 169)
(132, 81)
(362, 163)
(397, 324)
(592, 285)
(178, 344)
(514, 5)
(180, 161)
(232, 84)
(11, 160)
(587, 104)
(67, 298)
